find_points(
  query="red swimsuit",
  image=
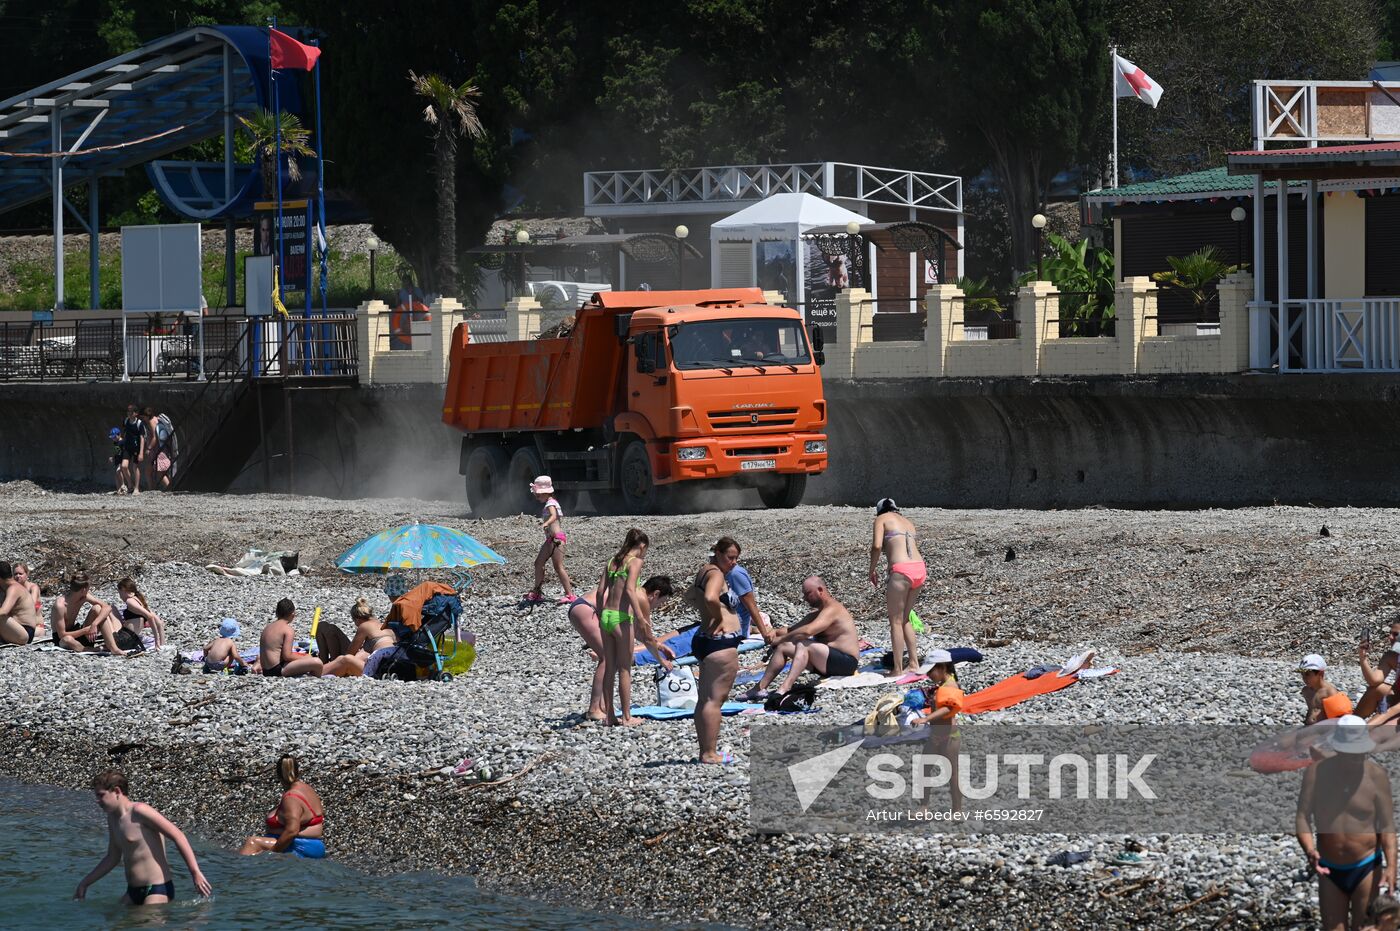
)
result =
(274, 823)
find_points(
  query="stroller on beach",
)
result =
(421, 620)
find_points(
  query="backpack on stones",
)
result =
(801, 697)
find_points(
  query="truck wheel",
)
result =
(783, 491)
(525, 465)
(486, 481)
(637, 483)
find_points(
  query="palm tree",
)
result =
(262, 130)
(1197, 274)
(451, 111)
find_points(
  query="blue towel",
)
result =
(658, 713)
(682, 644)
(745, 646)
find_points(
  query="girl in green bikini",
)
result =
(621, 600)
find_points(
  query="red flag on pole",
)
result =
(1134, 82)
(289, 53)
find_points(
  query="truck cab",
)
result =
(724, 390)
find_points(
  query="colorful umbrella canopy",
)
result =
(417, 546)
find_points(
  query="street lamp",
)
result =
(1038, 221)
(853, 249)
(373, 243)
(1238, 215)
(522, 239)
(682, 231)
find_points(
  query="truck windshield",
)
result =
(716, 344)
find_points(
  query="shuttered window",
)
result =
(736, 265)
(1382, 246)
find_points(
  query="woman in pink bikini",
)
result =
(894, 537)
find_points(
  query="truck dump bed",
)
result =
(554, 384)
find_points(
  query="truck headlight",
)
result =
(690, 453)
(816, 446)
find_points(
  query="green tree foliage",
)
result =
(1197, 275)
(1025, 82)
(263, 133)
(1014, 90)
(1084, 274)
(1205, 54)
(451, 112)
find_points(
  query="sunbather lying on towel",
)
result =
(825, 640)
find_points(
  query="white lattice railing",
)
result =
(626, 191)
(1337, 335)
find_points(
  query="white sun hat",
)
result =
(1351, 735)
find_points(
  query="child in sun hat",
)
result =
(221, 655)
(552, 550)
(1324, 700)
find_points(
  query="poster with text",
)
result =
(295, 244)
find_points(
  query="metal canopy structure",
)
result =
(132, 109)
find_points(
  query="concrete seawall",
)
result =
(1173, 441)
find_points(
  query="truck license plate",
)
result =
(753, 465)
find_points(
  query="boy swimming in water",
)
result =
(136, 835)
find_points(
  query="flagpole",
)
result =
(1113, 92)
(321, 181)
(277, 120)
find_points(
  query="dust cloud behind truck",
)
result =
(651, 391)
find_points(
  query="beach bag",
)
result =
(883, 719)
(458, 655)
(801, 697)
(677, 688)
(128, 640)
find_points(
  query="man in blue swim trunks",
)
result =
(1348, 798)
(136, 835)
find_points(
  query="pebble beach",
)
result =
(1205, 614)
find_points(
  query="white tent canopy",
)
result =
(782, 218)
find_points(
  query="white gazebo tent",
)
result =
(737, 240)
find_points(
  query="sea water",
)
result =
(51, 838)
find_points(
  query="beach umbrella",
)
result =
(417, 546)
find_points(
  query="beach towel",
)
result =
(260, 562)
(682, 644)
(1013, 691)
(874, 673)
(858, 681)
(1292, 750)
(657, 713)
(408, 610)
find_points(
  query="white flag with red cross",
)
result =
(1134, 82)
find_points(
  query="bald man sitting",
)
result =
(825, 641)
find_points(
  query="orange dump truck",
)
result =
(651, 389)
